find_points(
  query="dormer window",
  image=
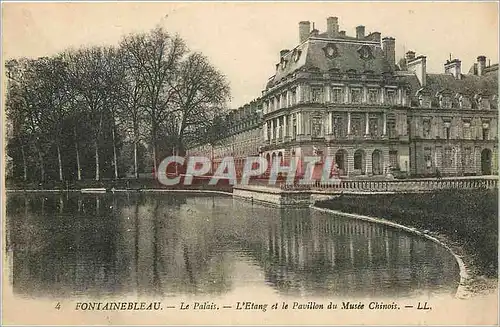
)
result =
(283, 64)
(424, 101)
(483, 102)
(296, 55)
(494, 102)
(464, 102)
(365, 52)
(445, 101)
(330, 51)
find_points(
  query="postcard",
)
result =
(250, 163)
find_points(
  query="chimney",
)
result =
(332, 27)
(360, 32)
(283, 52)
(374, 36)
(304, 31)
(481, 65)
(410, 55)
(389, 48)
(453, 67)
(419, 67)
(342, 33)
(314, 31)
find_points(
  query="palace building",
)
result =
(346, 97)
(242, 138)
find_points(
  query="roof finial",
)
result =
(450, 56)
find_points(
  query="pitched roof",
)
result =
(346, 55)
(468, 84)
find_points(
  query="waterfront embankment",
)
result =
(122, 184)
(466, 221)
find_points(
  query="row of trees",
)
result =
(105, 111)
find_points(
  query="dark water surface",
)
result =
(68, 245)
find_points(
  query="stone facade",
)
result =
(345, 97)
(243, 137)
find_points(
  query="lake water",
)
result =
(70, 245)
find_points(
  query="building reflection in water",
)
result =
(162, 244)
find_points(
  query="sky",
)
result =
(243, 39)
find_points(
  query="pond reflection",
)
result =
(67, 245)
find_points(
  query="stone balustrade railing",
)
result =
(407, 185)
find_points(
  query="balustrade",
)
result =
(395, 185)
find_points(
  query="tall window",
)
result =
(356, 125)
(428, 158)
(486, 132)
(337, 95)
(373, 96)
(467, 130)
(338, 127)
(426, 128)
(447, 157)
(391, 97)
(393, 158)
(293, 97)
(467, 157)
(358, 159)
(316, 126)
(447, 127)
(317, 95)
(355, 95)
(391, 126)
(294, 126)
(373, 125)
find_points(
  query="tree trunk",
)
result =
(25, 168)
(60, 162)
(96, 145)
(136, 170)
(153, 143)
(42, 169)
(115, 159)
(79, 170)
(154, 160)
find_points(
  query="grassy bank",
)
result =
(469, 218)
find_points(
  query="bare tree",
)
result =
(93, 79)
(32, 104)
(132, 113)
(54, 100)
(156, 56)
(15, 111)
(201, 94)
